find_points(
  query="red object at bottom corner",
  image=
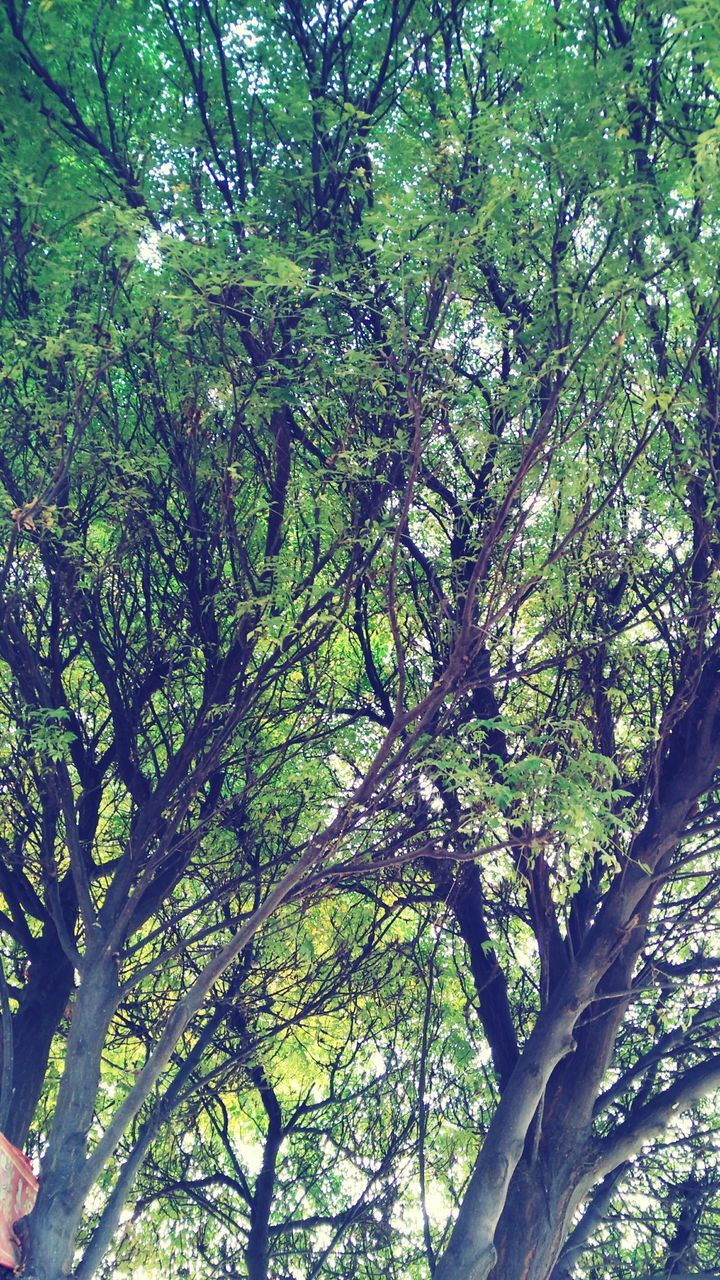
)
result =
(18, 1192)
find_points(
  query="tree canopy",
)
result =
(359, 648)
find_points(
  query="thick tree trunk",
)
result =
(535, 1221)
(44, 998)
(48, 1234)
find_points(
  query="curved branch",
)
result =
(648, 1121)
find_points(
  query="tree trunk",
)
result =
(535, 1221)
(48, 1234)
(43, 1000)
(257, 1253)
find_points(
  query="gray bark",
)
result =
(49, 1233)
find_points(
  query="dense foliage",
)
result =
(360, 662)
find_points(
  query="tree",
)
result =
(360, 663)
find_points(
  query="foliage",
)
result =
(359, 663)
